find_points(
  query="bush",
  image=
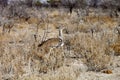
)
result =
(3, 2)
(54, 3)
(69, 3)
(91, 51)
(38, 3)
(29, 3)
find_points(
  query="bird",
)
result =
(118, 29)
(46, 46)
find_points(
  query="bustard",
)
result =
(45, 47)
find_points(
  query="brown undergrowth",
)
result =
(91, 39)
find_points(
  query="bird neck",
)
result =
(60, 34)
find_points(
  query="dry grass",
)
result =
(63, 73)
(94, 50)
(116, 48)
(18, 48)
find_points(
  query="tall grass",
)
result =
(93, 43)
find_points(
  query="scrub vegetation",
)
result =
(91, 37)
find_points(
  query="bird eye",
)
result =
(41, 49)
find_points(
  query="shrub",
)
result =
(38, 3)
(69, 3)
(54, 3)
(29, 3)
(91, 51)
(4, 2)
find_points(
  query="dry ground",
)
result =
(91, 50)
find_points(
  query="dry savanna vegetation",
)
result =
(91, 43)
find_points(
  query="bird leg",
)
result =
(48, 55)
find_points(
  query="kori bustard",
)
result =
(46, 46)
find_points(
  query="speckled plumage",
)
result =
(46, 46)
